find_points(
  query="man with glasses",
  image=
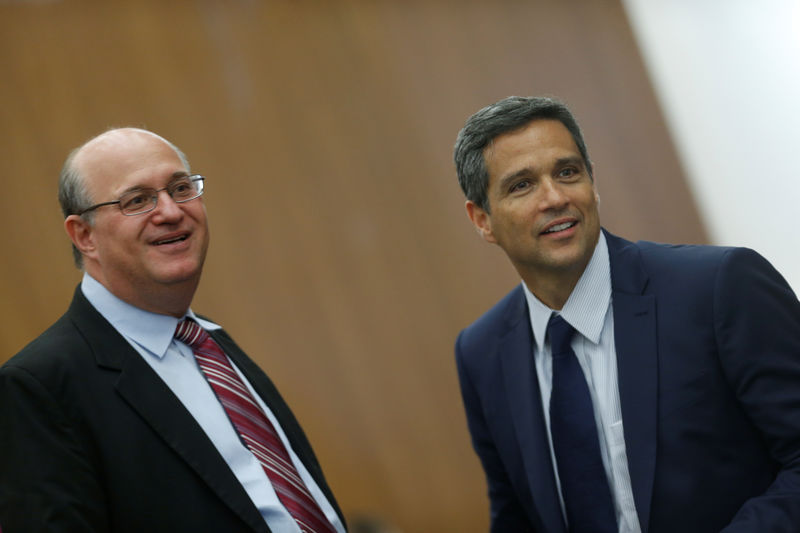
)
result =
(131, 413)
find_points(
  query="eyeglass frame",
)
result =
(194, 178)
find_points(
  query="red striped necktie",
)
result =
(254, 428)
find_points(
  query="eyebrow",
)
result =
(560, 162)
(175, 176)
(506, 180)
(570, 160)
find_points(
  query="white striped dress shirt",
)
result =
(589, 311)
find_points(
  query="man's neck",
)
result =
(172, 300)
(552, 291)
(553, 286)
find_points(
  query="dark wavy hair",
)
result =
(483, 127)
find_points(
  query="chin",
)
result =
(570, 261)
(173, 276)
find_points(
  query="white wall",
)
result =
(727, 74)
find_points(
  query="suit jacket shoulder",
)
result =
(94, 440)
(73, 346)
(502, 316)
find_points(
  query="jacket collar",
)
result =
(637, 357)
(145, 393)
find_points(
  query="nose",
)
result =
(167, 210)
(552, 194)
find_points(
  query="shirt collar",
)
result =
(151, 331)
(587, 305)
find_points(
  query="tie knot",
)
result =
(190, 333)
(560, 333)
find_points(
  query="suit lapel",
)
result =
(270, 395)
(149, 396)
(637, 367)
(515, 350)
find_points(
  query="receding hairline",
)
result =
(110, 138)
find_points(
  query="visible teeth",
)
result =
(176, 239)
(559, 227)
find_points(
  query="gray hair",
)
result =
(509, 114)
(73, 195)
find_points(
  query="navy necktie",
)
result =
(584, 485)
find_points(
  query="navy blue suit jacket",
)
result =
(708, 354)
(92, 440)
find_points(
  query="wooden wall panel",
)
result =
(341, 257)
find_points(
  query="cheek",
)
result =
(512, 229)
(589, 200)
(120, 237)
(196, 211)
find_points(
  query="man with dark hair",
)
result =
(131, 413)
(621, 387)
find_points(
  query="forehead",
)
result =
(123, 158)
(535, 145)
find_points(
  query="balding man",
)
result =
(131, 413)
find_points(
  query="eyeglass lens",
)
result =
(143, 200)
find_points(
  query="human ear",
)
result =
(481, 220)
(80, 232)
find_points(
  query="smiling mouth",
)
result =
(170, 241)
(560, 227)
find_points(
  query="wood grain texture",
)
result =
(341, 256)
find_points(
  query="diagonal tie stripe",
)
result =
(255, 429)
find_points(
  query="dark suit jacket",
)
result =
(91, 439)
(708, 354)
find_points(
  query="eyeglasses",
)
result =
(140, 201)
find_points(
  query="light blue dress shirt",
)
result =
(589, 310)
(151, 335)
